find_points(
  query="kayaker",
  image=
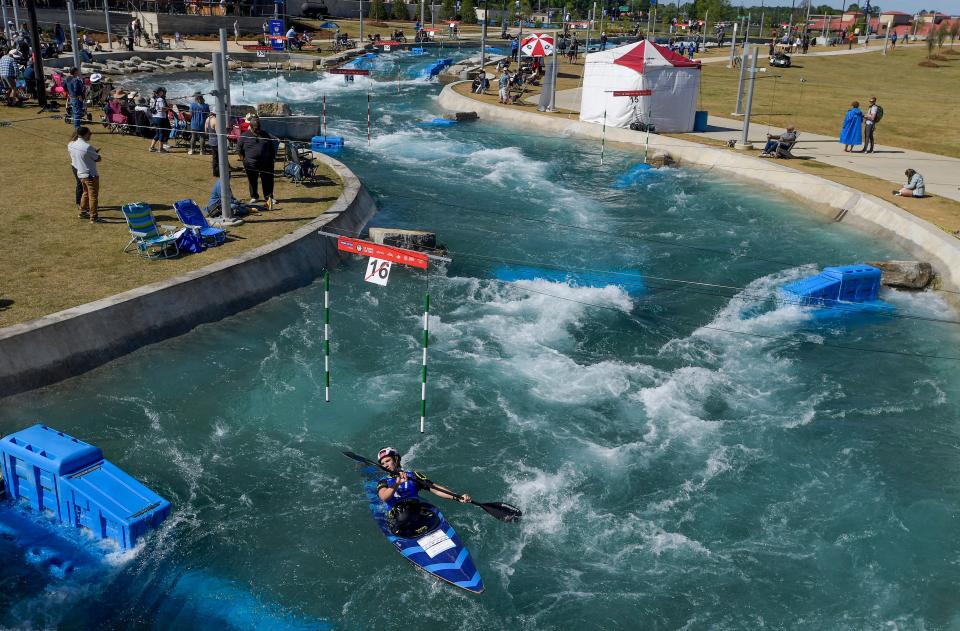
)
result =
(401, 492)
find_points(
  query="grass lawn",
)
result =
(919, 103)
(53, 260)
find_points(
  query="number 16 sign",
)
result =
(378, 271)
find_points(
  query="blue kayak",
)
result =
(438, 551)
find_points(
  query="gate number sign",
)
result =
(378, 271)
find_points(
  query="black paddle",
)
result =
(499, 510)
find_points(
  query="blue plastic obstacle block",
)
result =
(437, 122)
(847, 283)
(437, 66)
(68, 479)
(631, 283)
(636, 173)
(330, 145)
(417, 51)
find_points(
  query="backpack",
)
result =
(878, 115)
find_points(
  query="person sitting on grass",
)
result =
(786, 139)
(914, 186)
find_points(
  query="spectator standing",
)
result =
(199, 111)
(871, 118)
(258, 149)
(76, 92)
(158, 120)
(504, 84)
(850, 133)
(914, 187)
(84, 159)
(59, 37)
(236, 32)
(291, 38)
(893, 40)
(213, 141)
(8, 76)
(603, 40)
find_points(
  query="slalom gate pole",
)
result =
(398, 78)
(426, 343)
(603, 136)
(368, 118)
(326, 334)
(324, 114)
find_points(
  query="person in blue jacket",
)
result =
(401, 493)
(852, 131)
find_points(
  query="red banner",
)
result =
(387, 42)
(255, 47)
(348, 71)
(632, 92)
(384, 252)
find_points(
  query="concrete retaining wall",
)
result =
(842, 203)
(68, 343)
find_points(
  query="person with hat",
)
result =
(401, 492)
(95, 94)
(8, 75)
(199, 111)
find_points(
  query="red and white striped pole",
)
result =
(324, 115)
(368, 118)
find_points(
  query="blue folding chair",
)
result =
(192, 217)
(145, 233)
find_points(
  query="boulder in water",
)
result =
(273, 109)
(907, 274)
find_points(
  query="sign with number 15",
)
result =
(378, 271)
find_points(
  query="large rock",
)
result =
(273, 109)
(909, 274)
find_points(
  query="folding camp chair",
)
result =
(145, 233)
(300, 166)
(192, 217)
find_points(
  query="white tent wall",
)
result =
(671, 107)
(673, 104)
(599, 81)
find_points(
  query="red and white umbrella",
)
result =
(537, 45)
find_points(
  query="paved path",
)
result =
(941, 173)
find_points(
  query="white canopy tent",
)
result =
(673, 82)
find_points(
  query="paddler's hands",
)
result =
(465, 498)
(402, 477)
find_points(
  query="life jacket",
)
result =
(409, 490)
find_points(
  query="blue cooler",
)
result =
(330, 145)
(700, 121)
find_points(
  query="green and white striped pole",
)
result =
(603, 137)
(426, 343)
(326, 334)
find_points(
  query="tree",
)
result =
(378, 12)
(954, 32)
(399, 10)
(468, 12)
(448, 10)
(931, 44)
(941, 35)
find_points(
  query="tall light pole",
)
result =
(106, 16)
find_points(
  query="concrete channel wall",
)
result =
(841, 203)
(73, 341)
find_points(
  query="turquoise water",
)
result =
(691, 456)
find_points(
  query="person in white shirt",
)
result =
(84, 159)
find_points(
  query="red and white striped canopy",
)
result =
(537, 45)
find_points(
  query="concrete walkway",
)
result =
(940, 173)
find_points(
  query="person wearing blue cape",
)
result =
(852, 131)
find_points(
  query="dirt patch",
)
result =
(927, 64)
